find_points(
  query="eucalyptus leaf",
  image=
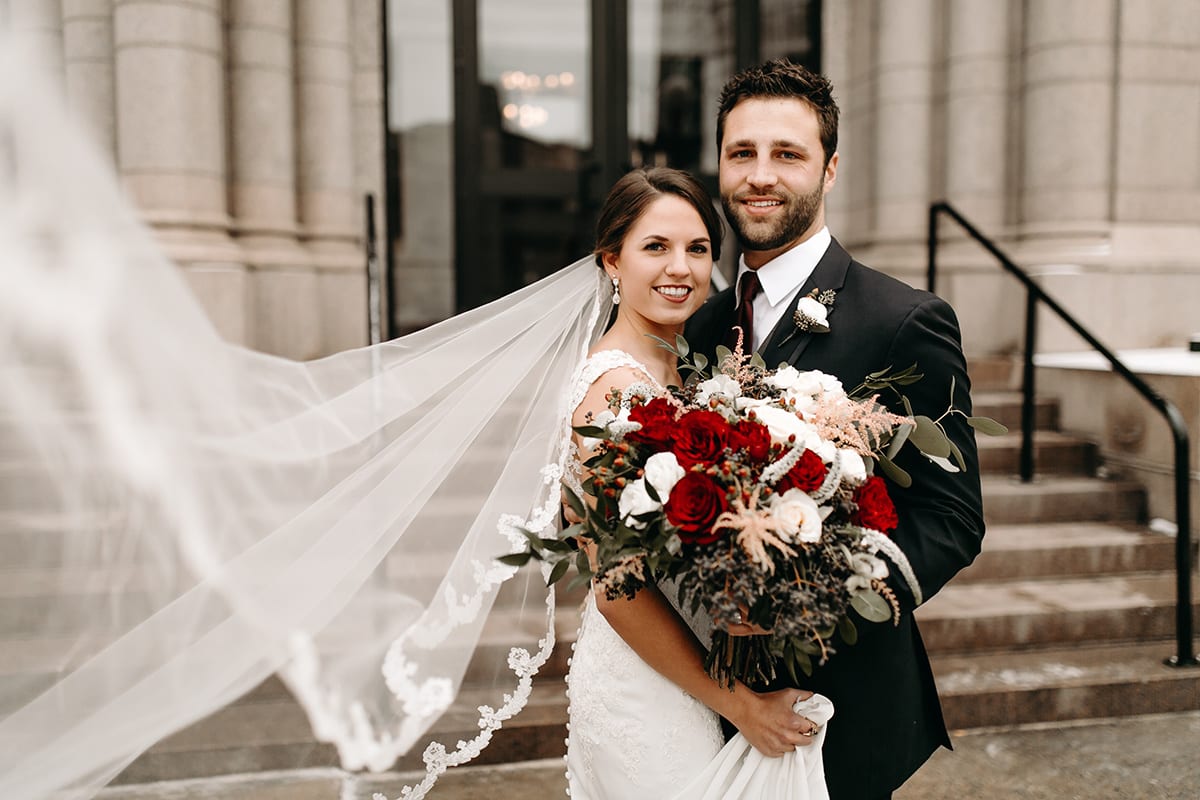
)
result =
(987, 426)
(701, 361)
(957, 455)
(590, 431)
(899, 438)
(897, 475)
(847, 630)
(517, 559)
(665, 345)
(558, 571)
(929, 438)
(681, 346)
(944, 463)
(871, 606)
(757, 361)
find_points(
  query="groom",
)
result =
(777, 141)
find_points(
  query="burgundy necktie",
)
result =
(745, 318)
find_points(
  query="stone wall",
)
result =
(1069, 130)
(247, 133)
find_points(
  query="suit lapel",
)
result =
(786, 344)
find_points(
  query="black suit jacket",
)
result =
(887, 719)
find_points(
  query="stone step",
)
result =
(1016, 615)
(994, 373)
(1067, 549)
(1053, 452)
(1005, 408)
(1063, 683)
(273, 733)
(1055, 498)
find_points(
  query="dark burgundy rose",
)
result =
(694, 505)
(657, 419)
(700, 437)
(875, 507)
(807, 475)
(753, 437)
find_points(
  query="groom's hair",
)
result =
(632, 195)
(782, 78)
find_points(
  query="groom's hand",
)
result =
(769, 723)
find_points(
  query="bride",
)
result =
(643, 710)
(184, 517)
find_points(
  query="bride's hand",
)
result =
(770, 725)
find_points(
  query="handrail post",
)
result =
(1027, 388)
(1185, 655)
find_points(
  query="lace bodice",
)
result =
(591, 370)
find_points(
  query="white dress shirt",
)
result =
(781, 279)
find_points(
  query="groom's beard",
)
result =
(799, 213)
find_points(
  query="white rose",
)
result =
(785, 377)
(800, 402)
(854, 469)
(830, 385)
(636, 500)
(663, 472)
(782, 423)
(816, 313)
(718, 384)
(799, 514)
(866, 567)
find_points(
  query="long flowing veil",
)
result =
(181, 517)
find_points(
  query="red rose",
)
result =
(753, 437)
(694, 505)
(657, 419)
(875, 508)
(700, 438)
(807, 475)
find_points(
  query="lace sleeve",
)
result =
(590, 371)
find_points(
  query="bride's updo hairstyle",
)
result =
(632, 195)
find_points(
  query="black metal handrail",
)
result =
(1185, 652)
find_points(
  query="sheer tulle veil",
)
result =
(181, 517)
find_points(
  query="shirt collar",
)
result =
(787, 272)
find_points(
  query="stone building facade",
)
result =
(1067, 129)
(248, 133)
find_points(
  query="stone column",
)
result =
(848, 58)
(1156, 203)
(40, 23)
(1069, 73)
(328, 200)
(263, 178)
(978, 149)
(903, 120)
(1066, 183)
(979, 167)
(88, 55)
(170, 80)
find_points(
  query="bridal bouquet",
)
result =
(756, 491)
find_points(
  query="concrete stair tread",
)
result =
(1063, 683)
(1030, 536)
(1075, 665)
(1050, 596)
(996, 486)
(1070, 549)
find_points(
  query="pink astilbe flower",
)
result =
(859, 426)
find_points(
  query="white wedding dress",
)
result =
(634, 734)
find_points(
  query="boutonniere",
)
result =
(812, 311)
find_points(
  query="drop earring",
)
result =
(616, 291)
